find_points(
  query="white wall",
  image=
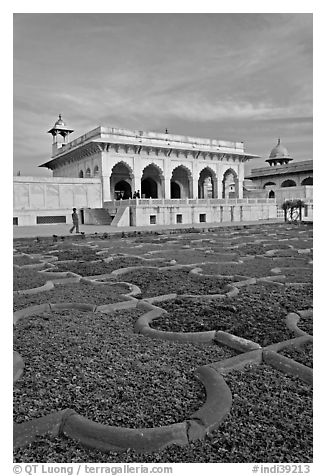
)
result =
(51, 196)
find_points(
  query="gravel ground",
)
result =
(75, 292)
(270, 422)
(303, 355)
(298, 275)
(306, 324)
(84, 253)
(191, 255)
(27, 279)
(96, 365)
(153, 282)
(289, 253)
(257, 313)
(297, 262)
(101, 267)
(257, 267)
(24, 260)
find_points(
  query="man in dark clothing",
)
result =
(75, 221)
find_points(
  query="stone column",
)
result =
(219, 184)
(194, 186)
(136, 184)
(106, 192)
(215, 187)
(240, 180)
(240, 189)
(166, 187)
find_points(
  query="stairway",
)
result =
(98, 216)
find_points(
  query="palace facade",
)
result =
(157, 165)
(179, 179)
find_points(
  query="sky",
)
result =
(239, 76)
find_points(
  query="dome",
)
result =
(59, 122)
(279, 151)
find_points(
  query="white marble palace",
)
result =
(178, 179)
(157, 165)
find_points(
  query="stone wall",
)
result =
(40, 200)
(201, 211)
(304, 193)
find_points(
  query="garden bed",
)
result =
(306, 324)
(96, 365)
(154, 282)
(287, 253)
(303, 355)
(84, 253)
(270, 422)
(76, 292)
(257, 267)
(298, 275)
(26, 278)
(298, 262)
(257, 313)
(101, 267)
(25, 260)
(193, 256)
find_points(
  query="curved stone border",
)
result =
(208, 417)
(292, 320)
(18, 366)
(288, 366)
(253, 357)
(46, 287)
(142, 326)
(238, 343)
(107, 438)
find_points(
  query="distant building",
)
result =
(282, 180)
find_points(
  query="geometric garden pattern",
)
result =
(146, 346)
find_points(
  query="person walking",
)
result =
(75, 221)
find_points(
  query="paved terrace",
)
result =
(63, 230)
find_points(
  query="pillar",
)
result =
(106, 192)
(240, 189)
(193, 187)
(166, 186)
(136, 184)
(219, 184)
(215, 187)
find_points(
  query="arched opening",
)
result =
(175, 190)
(288, 183)
(88, 172)
(96, 171)
(148, 188)
(121, 181)
(230, 184)
(151, 182)
(269, 184)
(122, 190)
(271, 194)
(307, 181)
(207, 184)
(181, 176)
(81, 174)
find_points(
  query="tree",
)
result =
(293, 210)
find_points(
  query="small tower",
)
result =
(60, 134)
(279, 155)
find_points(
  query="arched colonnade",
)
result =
(179, 184)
